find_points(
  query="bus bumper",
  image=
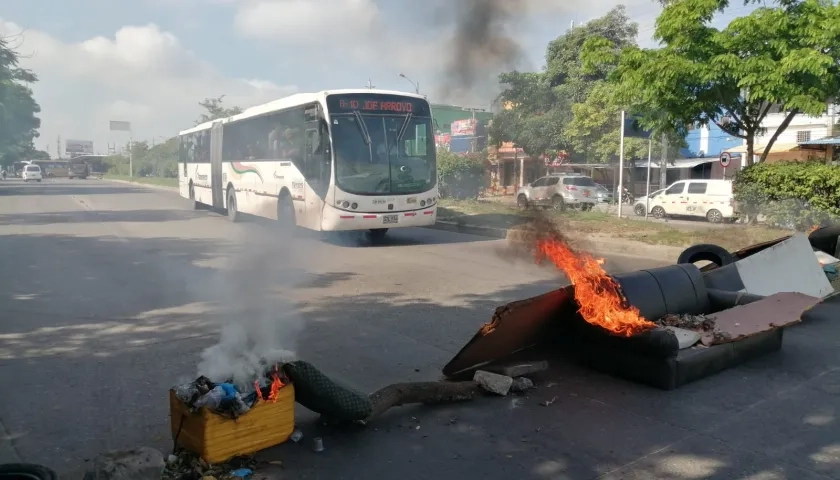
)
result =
(341, 220)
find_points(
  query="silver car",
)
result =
(560, 192)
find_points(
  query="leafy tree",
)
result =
(18, 109)
(786, 54)
(216, 109)
(540, 114)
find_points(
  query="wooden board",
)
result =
(218, 439)
(776, 311)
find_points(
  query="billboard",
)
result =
(463, 127)
(78, 147)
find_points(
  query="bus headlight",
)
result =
(345, 204)
(422, 203)
(354, 206)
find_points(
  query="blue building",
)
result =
(708, 141)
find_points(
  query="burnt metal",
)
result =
(770, 313)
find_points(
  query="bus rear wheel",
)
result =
(232, 212)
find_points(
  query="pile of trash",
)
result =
(226, 398)
(702, 324)
(189, 466)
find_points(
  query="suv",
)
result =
(31, 172)
(560, 191)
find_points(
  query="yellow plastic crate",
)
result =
(218, 439)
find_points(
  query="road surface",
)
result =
(111, 293)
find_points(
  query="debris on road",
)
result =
(493, 382)
(521, 384)
(518, 369)
(142, 463)
(190, 466)
(317, 444)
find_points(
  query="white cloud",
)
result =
(308, 21)
(142, 74)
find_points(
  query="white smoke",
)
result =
(260, 326)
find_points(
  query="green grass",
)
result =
(500, 215)
(161, 181)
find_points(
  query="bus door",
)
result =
(314, 164)
(216, 185)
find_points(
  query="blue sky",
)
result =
(151, 61)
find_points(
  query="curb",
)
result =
(593, 244)
(147, 185)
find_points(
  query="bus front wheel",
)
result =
(376, 234)
(286, 212)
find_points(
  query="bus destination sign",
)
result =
(374, 105)
(378, 103)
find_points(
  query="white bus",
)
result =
(328, 161)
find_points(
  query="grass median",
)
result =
(653, 232)
(159, 181)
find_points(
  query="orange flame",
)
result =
(274, 388)
(596, 293)
(276, 385)
(813, 229)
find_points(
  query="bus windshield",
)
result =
(383, 152)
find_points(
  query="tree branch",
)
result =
(737, 135)
(778, 132)
(764, 112)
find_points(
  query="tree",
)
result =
(216, 109)
(786, 55)
(18, 109)
(540, 106)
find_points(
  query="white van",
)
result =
(712, 199)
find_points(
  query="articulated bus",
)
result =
(328, 161)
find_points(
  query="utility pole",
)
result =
(58, 148)
(621, 166)
(663, 163)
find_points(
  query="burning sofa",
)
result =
(664, 327)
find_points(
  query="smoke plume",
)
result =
(482, 46)
(260, 327)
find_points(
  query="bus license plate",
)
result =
(390, 218)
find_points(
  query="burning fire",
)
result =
(596, 293)
(274, 389)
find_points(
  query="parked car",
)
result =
(712, 199)
(639, 206)
(604, 195)
(559, 191)
(31, 172)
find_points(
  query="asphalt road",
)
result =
(111, 293)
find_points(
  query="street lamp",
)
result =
(416, 85)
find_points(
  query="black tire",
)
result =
(39, 181)
(286, 212)
(714, 216)
(69, 178)
(377, 234)
(558, 203)
(658, 212)
(26, 470)
(232, 212)
(586, 207)
(522, 202)
(639, 210)
(706, 252)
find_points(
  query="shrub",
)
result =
(790, 194)
(460, 176)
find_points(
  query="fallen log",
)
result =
(429, 393)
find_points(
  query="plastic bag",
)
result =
(212, 399)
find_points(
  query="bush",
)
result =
(460, 176)
(790, 194)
